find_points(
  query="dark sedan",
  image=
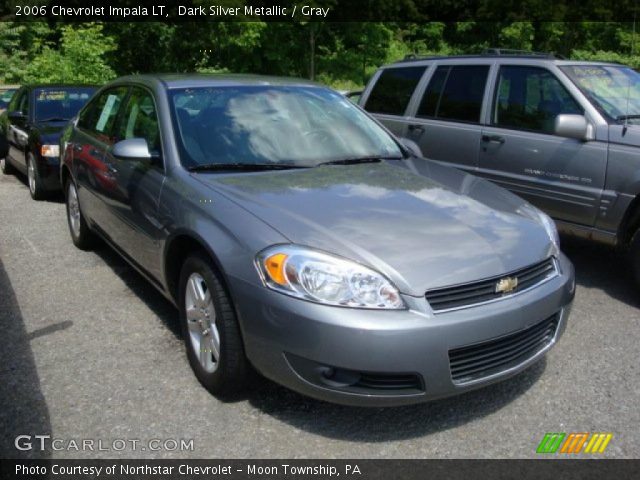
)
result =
(30, 132)
(298, 236)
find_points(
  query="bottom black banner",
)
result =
(295, 469)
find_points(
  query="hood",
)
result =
(629, 136)
(419, 223)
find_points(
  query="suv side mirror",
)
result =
(132, 149)
(573, 126)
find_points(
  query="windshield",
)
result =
(615, 90)
(286, 125)
(60, 103)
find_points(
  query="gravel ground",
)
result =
(89, 350)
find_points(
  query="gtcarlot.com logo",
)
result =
(46, 442)
(574, 443)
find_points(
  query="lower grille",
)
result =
(378, 381)
(486, 290)
(480, 360)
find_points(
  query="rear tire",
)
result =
(634, 256)
(210, 328)
(6, 167)
(81, 234)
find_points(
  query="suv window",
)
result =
(455, 93)
(101, 113)
(393, 90)
(530, 98)
(140, 119)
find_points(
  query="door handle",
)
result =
(493, 138)
(77, 147)
(416, 128)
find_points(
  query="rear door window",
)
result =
(393, 90)
(455, 93)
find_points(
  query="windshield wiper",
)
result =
(53, 119)
(246, 167)
(356, 160)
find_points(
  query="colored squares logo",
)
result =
(582, 442)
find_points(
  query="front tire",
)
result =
(81, 235)
(36, 189)
(210, 329)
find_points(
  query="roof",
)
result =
(193, 80)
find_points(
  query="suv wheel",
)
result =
(81, 235)
(634, 253)
(35, 184)
(210, 328)
(6, 167)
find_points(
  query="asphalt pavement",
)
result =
(90, 352)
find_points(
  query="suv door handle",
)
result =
(493, 138)
(416, 128)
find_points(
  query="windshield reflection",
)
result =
(290, 125)
(615, 90)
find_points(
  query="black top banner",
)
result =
(172, 11)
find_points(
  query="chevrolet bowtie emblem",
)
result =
(506, 285)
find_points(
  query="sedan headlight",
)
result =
(323, 278)
(50, 150)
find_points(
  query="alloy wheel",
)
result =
(73, 209)
(201, 321)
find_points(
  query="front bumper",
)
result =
(321, 351)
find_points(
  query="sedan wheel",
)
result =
(81, 235)
(35, 187)
(201, 321)
(210, 329)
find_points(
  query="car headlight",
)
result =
(50, 150)
(323, 278)
(546, 221)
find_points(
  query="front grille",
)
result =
(494, 356)
(485, 290)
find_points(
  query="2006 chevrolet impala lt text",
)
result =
(298, 237)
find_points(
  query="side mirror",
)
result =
(573, 126)
(16, 116)
(132, 149)
(411, 146)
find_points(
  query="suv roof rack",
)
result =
(517, 53)
(487, 52)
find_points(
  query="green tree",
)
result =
(80, 57)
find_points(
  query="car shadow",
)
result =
(23, 409)
(390, 423)
(602, 267)
(55, 197)
(140, 286)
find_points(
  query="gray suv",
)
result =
(563, 134)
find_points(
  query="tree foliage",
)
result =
(340, 54)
